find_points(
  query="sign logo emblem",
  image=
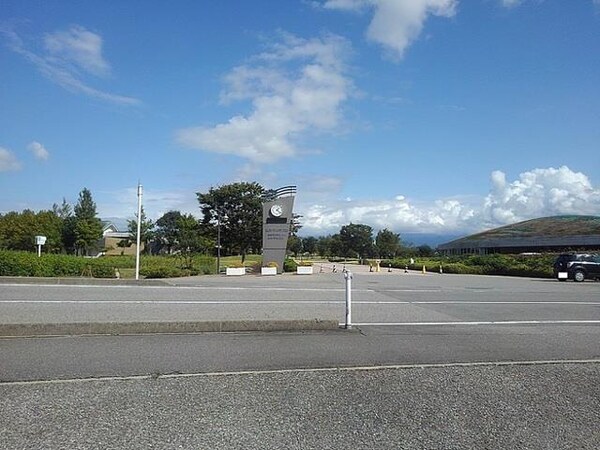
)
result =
(276, 210)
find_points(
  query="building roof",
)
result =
(556, 231)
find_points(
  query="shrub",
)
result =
(235, 265)
(203, 264)
(289, 265)
(163, 272)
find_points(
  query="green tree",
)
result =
(146, 231)
(87, 227)
(387, 243)
(294, 245)
(191, 238)
(238, 208)
(295, 224)
(167, 230)
(324, 246)
(310, 244)
(336, 246)
(357, 239)
(48, 224)
(425, 250)
(18, 230)
(63, 210)
(65, 213)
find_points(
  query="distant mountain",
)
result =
(433, 240)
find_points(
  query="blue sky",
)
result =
(421, 116)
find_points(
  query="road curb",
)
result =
(82, 281)
(118, 328)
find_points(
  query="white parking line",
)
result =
(288, 302)
(198, 288)
(178, 302)
(502, 322)
(468, 302)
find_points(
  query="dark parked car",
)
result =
(577, 266)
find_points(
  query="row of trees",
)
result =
(231, 215)
(68, 229)
(357, 241)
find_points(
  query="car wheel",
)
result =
(579, 276)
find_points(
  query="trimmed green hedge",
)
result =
(24, 264)
(535, 266)
(176, 266)
(27, 264)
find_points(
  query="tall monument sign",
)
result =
(277, 222)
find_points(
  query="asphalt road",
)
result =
(462, 362)
(487, 407)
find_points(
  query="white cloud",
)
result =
(123, 203)
(295, 87)
(325, 208)
(8, 161)
(350, 5)
(79, 46)
(60, 67)
(510, 3)
(399, 213)
(38, 150)
(538, 193)
(396, 23)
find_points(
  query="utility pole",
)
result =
(218, 240)
(139, 227)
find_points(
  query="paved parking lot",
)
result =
(384, 299)
(433, 361)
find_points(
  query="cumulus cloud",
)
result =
(8, 161)
(536, 193)
(38, 150)
(296, 86)
(399, 214)
(540, 192)
(396, 23)
(67, 53)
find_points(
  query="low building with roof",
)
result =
(546, 234)
(116, 242)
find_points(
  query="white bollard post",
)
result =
(348, 278)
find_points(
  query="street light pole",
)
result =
(139, 227)
(218, 242)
